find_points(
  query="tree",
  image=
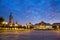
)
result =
(55, 27)
(1, 20)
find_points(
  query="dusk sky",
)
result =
(34, 11)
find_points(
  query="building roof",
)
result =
(55, 24)
(43, 23)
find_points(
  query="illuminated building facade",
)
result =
(43, 25)
(16, 24)
(56, 25)
(28, 25)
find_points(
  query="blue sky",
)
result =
(34, 11)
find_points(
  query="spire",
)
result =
(10, 14)
(10, 18)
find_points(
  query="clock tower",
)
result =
(10, 19)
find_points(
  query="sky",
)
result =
(34, 11)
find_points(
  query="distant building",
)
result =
(57, 25)
(16, 24)
(43, 25)
(28, 25)
(49, 26)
